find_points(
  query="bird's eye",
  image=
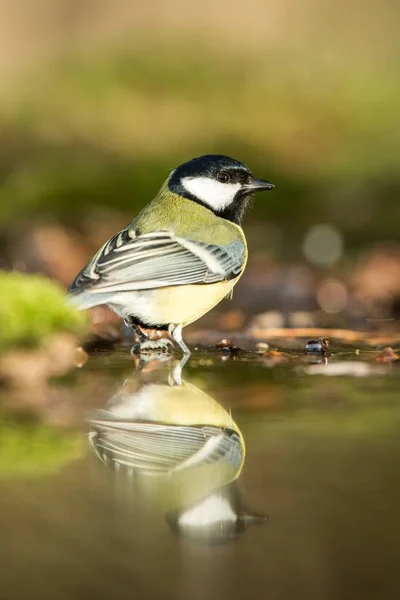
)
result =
(223, 177)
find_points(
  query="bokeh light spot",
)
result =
(332, 296)
(323, 244)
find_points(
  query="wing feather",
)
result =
(157, 259)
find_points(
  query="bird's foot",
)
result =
(160, 346)
(175, 331)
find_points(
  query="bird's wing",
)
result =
(155, 448)
(128, 262)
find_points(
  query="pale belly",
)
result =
(176, 305)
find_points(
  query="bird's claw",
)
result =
(160, 346)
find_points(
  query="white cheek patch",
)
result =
(214, 193)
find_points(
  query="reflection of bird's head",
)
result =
(217, 519)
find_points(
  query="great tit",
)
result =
(180, 256)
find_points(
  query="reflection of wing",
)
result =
(129, 262)
(156, 449)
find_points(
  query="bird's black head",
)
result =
(222, 184)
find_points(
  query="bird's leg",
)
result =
(145, 344)
(140, 334)
(175, 331)
(129, 322)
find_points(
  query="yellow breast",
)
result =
(187, 303)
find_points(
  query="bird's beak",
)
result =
(258, 185)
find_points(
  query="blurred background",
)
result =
(99, 102)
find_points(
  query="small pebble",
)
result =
(227, 347)
(319, 346)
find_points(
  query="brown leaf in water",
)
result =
(274, 357)
(387, 355)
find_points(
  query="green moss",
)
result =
(32, 308)
(34, 449)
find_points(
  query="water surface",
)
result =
(247, 479)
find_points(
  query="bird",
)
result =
(180, 256)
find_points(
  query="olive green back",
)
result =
(186, 218)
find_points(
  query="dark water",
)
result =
(248, 480)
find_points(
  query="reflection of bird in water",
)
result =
(183, 450)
